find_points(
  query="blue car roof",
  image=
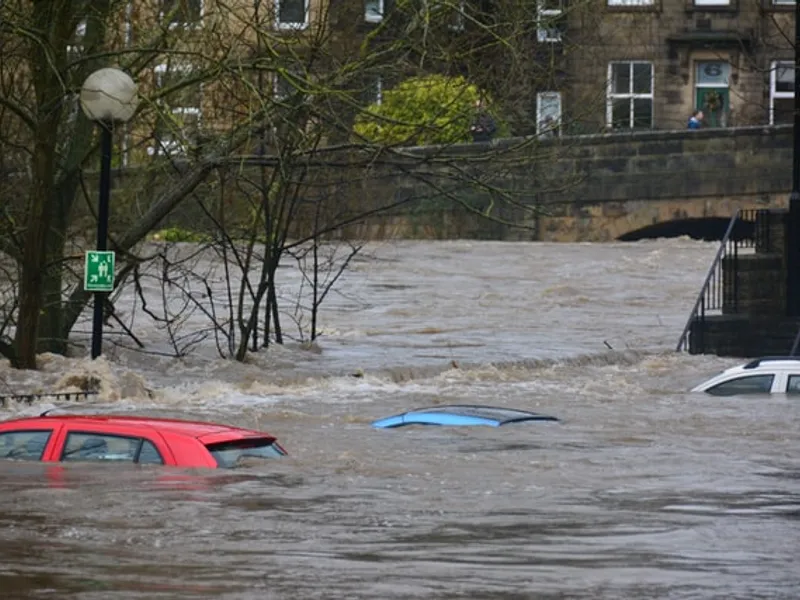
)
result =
(461, 415)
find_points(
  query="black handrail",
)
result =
(709, 284)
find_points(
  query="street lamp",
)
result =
(108, 97)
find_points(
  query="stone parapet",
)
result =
(575, 188)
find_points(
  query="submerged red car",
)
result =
(141, 440)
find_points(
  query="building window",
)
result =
(291, 14)
(182, 13)
(458, 18)
(179, 121)
(783, 2)
(631, 2)
(781, 92)
(630, 95)
(373, 11)
(549, 14)
(548, 114)
(374, 91)
(75, 48)
(282, 88)
(712, 2)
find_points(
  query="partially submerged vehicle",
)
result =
(765, 375)
(130, 439)
(461, 415)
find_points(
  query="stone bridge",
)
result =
(615, 186)
(582, 188)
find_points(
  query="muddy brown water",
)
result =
(642, 491)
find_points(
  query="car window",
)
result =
(232, 454)
(751, 384)
(82, 446)
(149, 455)
(793, 385)
(24, 445)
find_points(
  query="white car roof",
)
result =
(757, 366)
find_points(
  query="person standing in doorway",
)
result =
(696, 120)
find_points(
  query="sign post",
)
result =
(98, 274)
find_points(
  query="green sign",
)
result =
(98, 273)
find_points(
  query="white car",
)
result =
(766, 375)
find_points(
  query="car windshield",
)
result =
(233, 454)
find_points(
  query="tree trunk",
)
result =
(48, 57)
(51, 322)
(31, 291)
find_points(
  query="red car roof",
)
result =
(195, 429)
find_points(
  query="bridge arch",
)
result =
(709, 228)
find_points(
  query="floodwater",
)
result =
(643, 490)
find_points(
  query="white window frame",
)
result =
(186, 24)
(722, 86)
(129, 24)
(378, 90)
(773, 80)
(457, 24)
(630, 96)
(287, 25)
(627, 3)
(371, 17)
(540, 129)
(783, 2)
(712, 2)
(173, 148)
(80, 33)
(548, 16)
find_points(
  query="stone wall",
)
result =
(599, 187)
(581, 188)
(675, 35)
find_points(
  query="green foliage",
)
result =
(433, 109)
(176, 234)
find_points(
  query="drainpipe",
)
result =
(793, 237)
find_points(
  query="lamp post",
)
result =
(793, 237)
(108, 97)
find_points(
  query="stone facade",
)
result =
(728, 46)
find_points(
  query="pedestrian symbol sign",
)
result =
(99, 271)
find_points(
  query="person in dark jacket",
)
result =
(483, 126)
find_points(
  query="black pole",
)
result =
(793, 237)
(102, 231)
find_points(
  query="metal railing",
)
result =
(745, 230)
(6, 400)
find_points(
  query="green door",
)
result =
(712, 96)
(715, 104)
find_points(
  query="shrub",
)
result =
(433, 109)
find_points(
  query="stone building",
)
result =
(576, 66)
(649, 63)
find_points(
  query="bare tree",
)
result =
(244, 131)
